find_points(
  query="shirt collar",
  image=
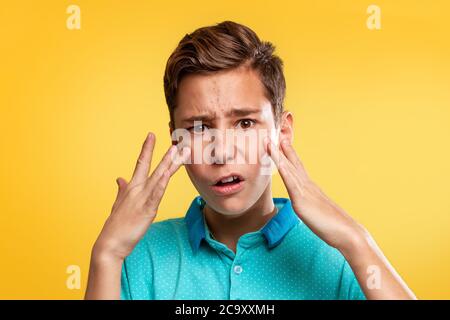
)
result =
(274, 230)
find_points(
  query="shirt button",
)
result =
(237, 269)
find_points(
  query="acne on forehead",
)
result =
(200, 93)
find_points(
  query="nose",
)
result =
(223, 149)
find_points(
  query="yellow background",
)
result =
(371, 108)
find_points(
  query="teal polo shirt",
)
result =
(179, 259)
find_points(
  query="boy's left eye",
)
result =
(246, 123)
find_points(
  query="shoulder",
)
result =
(313, 249)
(323, 265)
(161, 237)
(165, 228)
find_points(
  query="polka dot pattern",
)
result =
(163, 265)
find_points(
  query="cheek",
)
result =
(192, 170)
(260, 173)
(200, 151)
(253, 146)
(251, 150)
(196, 172)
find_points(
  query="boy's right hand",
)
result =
(137, 202)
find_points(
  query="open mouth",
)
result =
(228, 185)
(228, 181)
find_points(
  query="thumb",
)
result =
(121, 183)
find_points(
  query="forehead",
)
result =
(219, 93)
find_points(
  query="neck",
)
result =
(228, 229)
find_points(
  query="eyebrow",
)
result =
(230, 113)
(242, 112)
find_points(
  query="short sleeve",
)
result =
(137, 274)
(124, 286)
(350, 288)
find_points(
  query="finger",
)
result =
(272, 150)
(287, 170)
(153, 201)
(162, 166)
(178, 158)
(159, 184)
(143, 163)
(292, 156)
(181, 158)
(122, 185)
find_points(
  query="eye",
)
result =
(246, 123)
(198, 129)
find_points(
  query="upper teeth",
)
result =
(229, 179)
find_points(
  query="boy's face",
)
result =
(231, 105)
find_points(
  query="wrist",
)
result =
(103, 254)
(357, 242)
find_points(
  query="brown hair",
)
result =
(224, 46)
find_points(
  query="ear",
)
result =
(286, 127)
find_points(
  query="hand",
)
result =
(325, 218)
(334, 226)
(137, 202)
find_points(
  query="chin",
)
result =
(229, 206)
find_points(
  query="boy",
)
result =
(236, 241)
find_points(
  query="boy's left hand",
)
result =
(324, 217)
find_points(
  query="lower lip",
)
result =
(227, 190)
